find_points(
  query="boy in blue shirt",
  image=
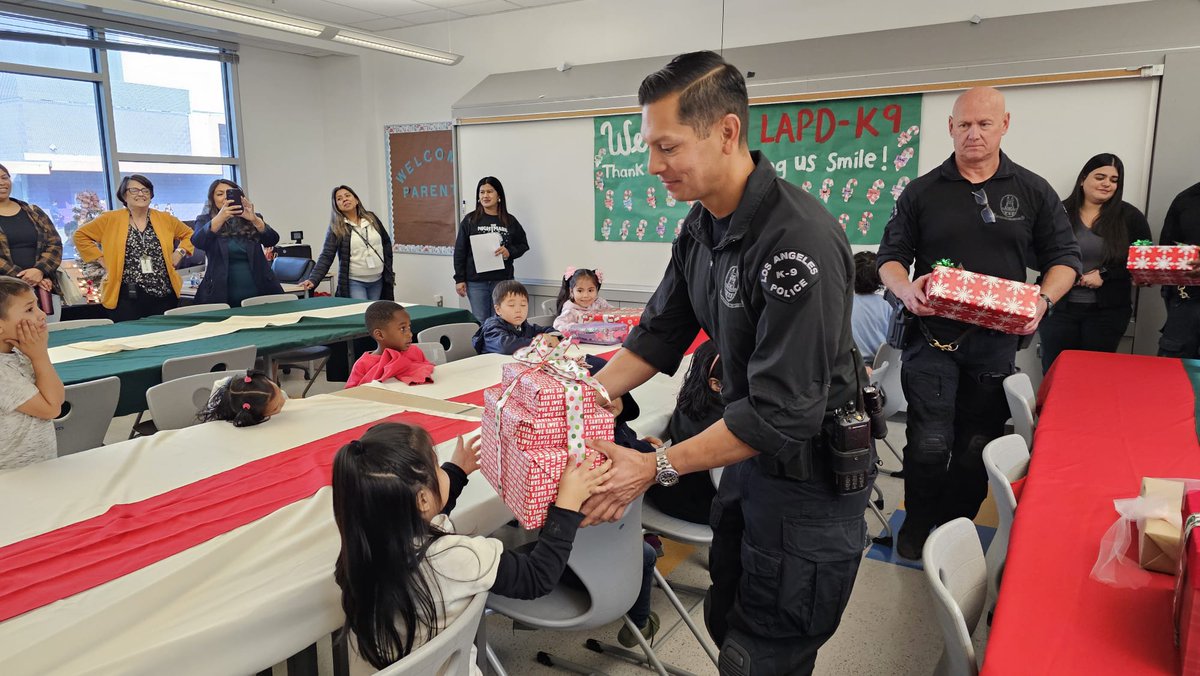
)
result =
(507, 331)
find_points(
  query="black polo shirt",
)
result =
(937, 216)
(1182, 224)
(774, 293)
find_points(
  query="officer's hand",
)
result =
(1037, 319)
(631, 474)
(914, 297)
(1193, 268)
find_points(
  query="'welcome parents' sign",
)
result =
(420, 159)
(855, 155)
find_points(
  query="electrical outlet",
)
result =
(437, 299)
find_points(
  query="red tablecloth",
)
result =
(1107, 421)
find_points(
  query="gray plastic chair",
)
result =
(1006, 460)
(269, 298)
(238, 358)
(957, 574)
(76, 324)
(434, 352)
(543, 320)
(885, 374)
(549, 306)
(193, 309)
(448, 653)
(176, 404)
(454, 338)
(1022, 401)
(607, 559)
(87, 412)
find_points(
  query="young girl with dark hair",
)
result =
(403, 571)
(490, 215)
(1095, 313)
(699, 406)
(580, 293)
(245, 400)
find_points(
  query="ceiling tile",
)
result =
(540, 3)
(387, 7)
(488, 7)
(450, 4)
(317, 10)
(432, 16)
(387, 24)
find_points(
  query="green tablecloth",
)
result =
(142, 369)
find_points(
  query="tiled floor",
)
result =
(888, 628)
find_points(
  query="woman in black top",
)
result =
(1095, 313)
(232, 235)
(490, 215)
(30, 247)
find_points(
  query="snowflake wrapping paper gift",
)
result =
(524, 449)
(1165, 265)
(990, 302)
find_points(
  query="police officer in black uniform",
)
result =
(765, 270)
(990, 215)
(1181, 332)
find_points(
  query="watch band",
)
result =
(1049, 303)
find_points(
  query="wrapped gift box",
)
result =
(1162, 264)
(524, 451)
(598, 333)
(1187, 585)
(537, 390)
(1158, 539)
(986, 301)
(627, 316)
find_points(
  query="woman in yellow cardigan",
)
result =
(139, 248)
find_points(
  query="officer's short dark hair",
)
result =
(380, 313)
(124, 187)
(866, 275)
(509, 287)
(709, 88)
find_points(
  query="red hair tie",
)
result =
(246, 407)
(249, 379)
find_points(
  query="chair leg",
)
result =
(683, 613)
(628, 655)
(637, 633)
(316, 375)
(896, 453)
(137, 421)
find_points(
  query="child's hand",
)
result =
(466, 456)
(578, 482)
(653, 441)
(33, 340)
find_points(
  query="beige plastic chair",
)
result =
(1006, 460)
(238, 358)
(957, 574)
(448, 653)
(1022, 402)
(177, 404)
(87, 412)
(193, 309)
(76, 324)
(454, 338)
(434, 352)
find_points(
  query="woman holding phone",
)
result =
(232, 235)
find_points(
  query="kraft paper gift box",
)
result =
(1187, 586)
(1167, 265)
(1158, 539)
(986, 301)
(526, 475)
(629, 317)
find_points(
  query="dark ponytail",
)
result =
(569, 282)
(242, 400)
(696, 398)
(377, 481)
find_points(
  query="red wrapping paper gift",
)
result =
(536, 391)
(1162, 264)
(1187, 585)
(526, 476)
(536, 428)
(983, 300)
(627, 316)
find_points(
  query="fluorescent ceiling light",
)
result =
(245, 15)
(395, 47)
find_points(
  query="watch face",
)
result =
(667, 477)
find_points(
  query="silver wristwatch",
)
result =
(666, 476)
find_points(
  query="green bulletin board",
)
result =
(855, 155)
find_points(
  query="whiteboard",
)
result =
(546, 167)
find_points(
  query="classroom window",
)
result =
(45, 55)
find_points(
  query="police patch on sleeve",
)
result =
(788, 274)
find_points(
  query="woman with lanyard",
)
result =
(232, 236)
(363, 249)
(30, 248)
(138, 248)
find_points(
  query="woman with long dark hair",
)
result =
(403, 571)
(30, 247)
(232, 235)
(490, 215)
(1095, 313)
(363, 248)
